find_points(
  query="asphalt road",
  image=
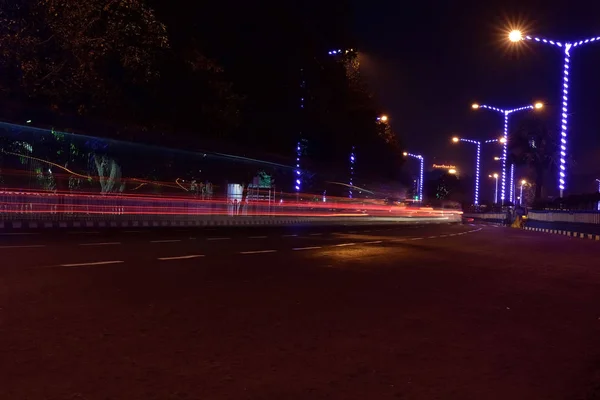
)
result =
(422, 312)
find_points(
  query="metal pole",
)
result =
(521, 196)
(496, 192)
(477, 165)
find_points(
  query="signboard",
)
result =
(443, 166)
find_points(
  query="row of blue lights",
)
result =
(352, 161)
(421, 172)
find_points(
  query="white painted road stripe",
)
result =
(306, 248)
(373, 242)
(289, 235)
(100, 244)
(181, 257)
(344, 244)
(416, 239)
(33, 246)
(91, 263)
(258, 252)
(165, 241)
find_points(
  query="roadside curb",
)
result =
(579, 235)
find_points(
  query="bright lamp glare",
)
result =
(502, 140)
(523, 182)
(495, 175)
(538, 105)
(515, 36)
(384, 118)
(452, 171)
(455, 139)
(475, 106)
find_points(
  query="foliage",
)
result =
(534, 145)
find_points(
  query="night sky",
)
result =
(429, 61)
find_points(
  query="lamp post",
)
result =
(598, 181)
(517, 36)
(477, 160)
(506, 114)
(495, 176)
(421, 173)
(523, 182)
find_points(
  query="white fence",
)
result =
(565, 217)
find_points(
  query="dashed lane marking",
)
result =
(32, 246)
(258, 252)
(91, 264)
(100, 244)
(373, 242)
(289, 235)
(344, 244)
(181, 257)
(306, 248)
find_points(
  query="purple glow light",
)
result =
(566, 48)
(506, 113)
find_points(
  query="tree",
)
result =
(534, 145)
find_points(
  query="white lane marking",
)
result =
(306, 248)
(289, 235)
(373, 242)
(315, 234)
(258, 252)
(91, 264)
(344, 244)
(399, 240)
(218, 238)
(257, 237)
(431, 237)
(100, 244)
(19, 233)
(452, 234)
(32, 246)
(442, 236)
(417, 239)
(181, 257)
(165, 241)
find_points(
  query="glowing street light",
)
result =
(422, 171)
(495, 176)
(523, 183)
(477, 160)
(452, 171)
(383, 118)
(504, 140)
(566, 47)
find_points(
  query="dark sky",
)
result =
(429, 61)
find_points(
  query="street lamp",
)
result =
(383, 118)
(598, 180)
(495, 176)
(517, 36)
(422, 171)
(477, 160)
(506, 113)
(523, 182)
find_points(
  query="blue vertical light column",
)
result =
(298, 171)
(512, 183)
(598, 181)
(421, 172)
(506, 114)
(352, 161)
(566, 47)
(477, 163)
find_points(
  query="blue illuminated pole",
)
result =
(421, 173)
(477, 161)
(352, 161)
(506, 114)
(298, 171)
(598, 181)
(566, 47)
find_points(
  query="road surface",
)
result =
(422, 312)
